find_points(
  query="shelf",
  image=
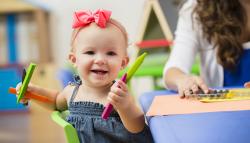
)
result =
(15, 6)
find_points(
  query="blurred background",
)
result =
(39, 31)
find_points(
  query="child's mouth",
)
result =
(99, 72)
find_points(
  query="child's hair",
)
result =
(223, 23)
(109, 21)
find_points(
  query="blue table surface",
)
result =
(216, 127)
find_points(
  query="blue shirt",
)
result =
(241, 74)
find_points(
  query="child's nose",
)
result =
(100, 59)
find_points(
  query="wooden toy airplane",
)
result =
(23, 93)
(225, 95)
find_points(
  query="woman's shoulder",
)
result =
(188, 5)
(186, 11)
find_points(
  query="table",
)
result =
(217, 127)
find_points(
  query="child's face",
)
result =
(99, 54)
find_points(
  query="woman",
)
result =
(217, 30)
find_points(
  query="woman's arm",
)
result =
(183, 83)
(176, 72)
(174, 76)
(186, 44)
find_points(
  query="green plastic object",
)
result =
(153, 66)
(26, 81)
(135, 66)
(156, 71)
(69, 130)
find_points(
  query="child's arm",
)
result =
(131, 115)
(58, 98)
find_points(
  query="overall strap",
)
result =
(77, 84)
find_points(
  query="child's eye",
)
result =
(89, 52)
(111, 53)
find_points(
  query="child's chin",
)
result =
(99, 77)
(100, 83)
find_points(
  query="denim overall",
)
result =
(86, 117)
(241, 74)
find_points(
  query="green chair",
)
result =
(69, 130)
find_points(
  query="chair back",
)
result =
(69, 130)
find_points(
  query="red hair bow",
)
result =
(84, 18)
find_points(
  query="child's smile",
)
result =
(100, 56)
(99, 73)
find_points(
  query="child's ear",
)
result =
(72, 58)
(125, 62)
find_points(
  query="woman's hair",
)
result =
(111, 21)
(223, 22)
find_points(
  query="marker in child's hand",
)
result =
(126, 77)
(25, 81)
(108, 109)
(30, 95)
(23, 93)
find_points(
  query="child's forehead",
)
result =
(93, 33)
(110, 28)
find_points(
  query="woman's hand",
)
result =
(190, 85)
(247, 85)
(119, 96)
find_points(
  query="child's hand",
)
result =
(247, 85)
(190, 84)
(119, 96)
(23, 100)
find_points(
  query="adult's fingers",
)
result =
(202, 85)
(181, 93)
(247, 85)
(188, 93)
(195, 89)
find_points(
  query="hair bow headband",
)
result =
(84, 18)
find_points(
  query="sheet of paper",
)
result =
(172, 105)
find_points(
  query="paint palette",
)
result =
(225, 95)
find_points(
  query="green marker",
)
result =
(26, 81)
(126, 77)
(135, 66)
